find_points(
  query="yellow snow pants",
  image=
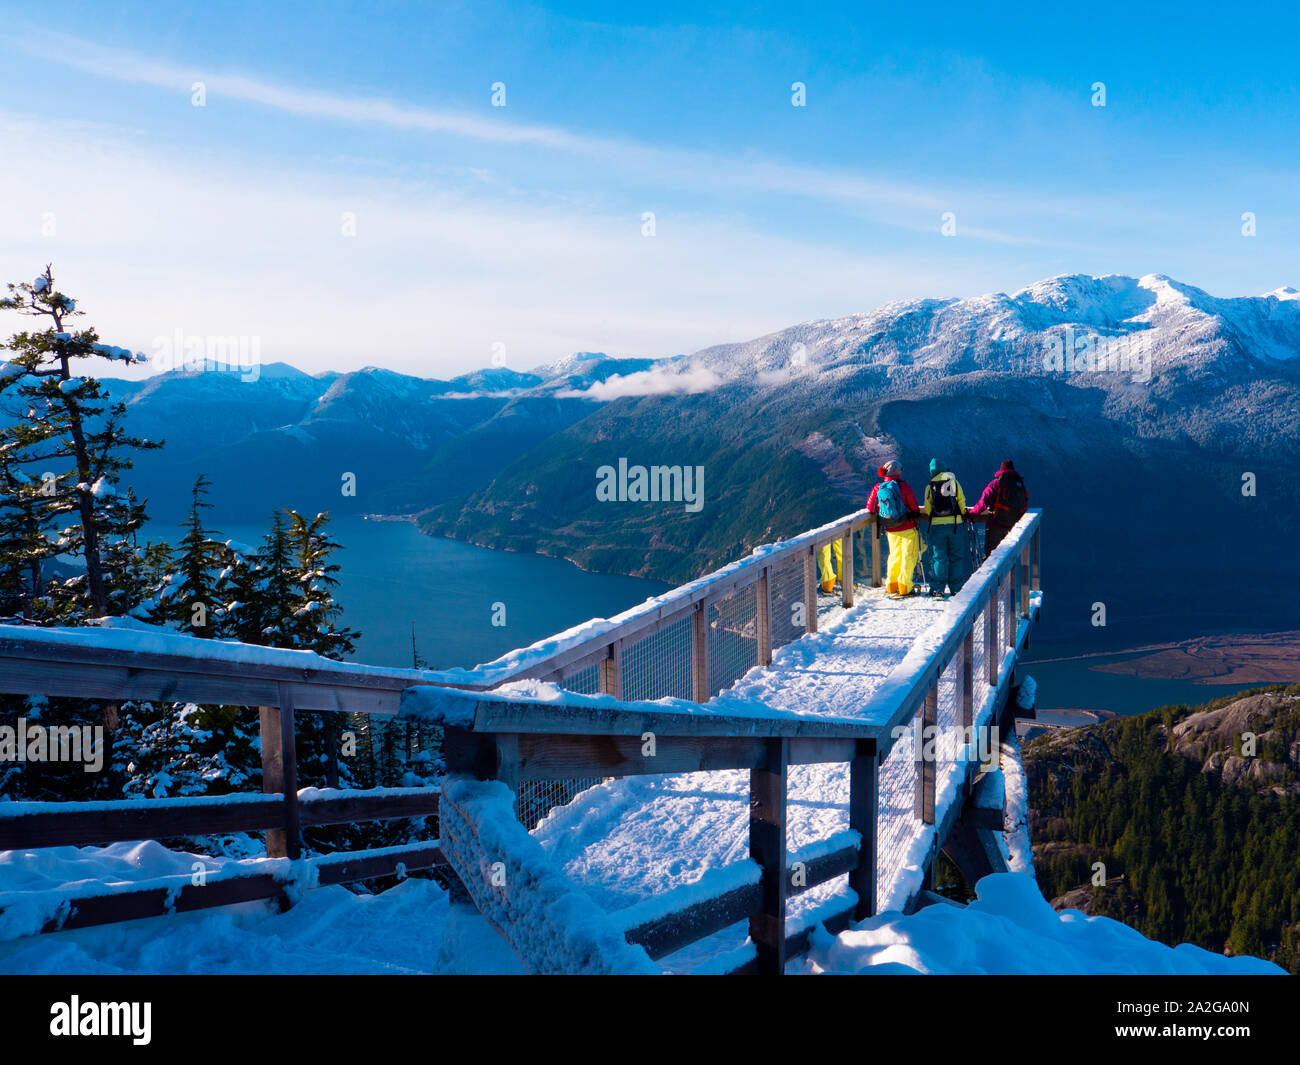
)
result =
(826, 574)
(904, 551)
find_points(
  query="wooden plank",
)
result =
(351, 807)
(578, 716)
(1024, 580)
(763, 594)
(273, 775)
(135, 904)
(992, 648)
(367, 865)
(864, 819)
(700, 688)
(967, 696)
(289, 777)
(180, 676)
(846, 569)
(810, 590)
(1009, 626)
(1036, 579)
(82, 826)
(818, 750)
(875, 554)
(665, 935)
(611, 671)
(925, 763)
(471, 753)
(26, 674)
(767, 836)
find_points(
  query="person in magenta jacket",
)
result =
(1002, 504)
(904, 540)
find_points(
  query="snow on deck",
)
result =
(630, 839)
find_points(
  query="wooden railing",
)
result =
(512, 740)
(600, 648)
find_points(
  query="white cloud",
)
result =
(152, 241)
(658, 382)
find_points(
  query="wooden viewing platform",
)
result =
(713, 676)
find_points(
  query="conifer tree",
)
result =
(195, 598)
(64, 423)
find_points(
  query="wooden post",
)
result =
(280, 775)
(1024, 580)
(700, 691)
(1036, 579)
(846, 568)
(767, 848)
(810, 590)
(925, 763)
(863, 813)
(968, 679)
(875, 553)
(992, 649)
(1010, 605)
(611, 671)
(763, 594)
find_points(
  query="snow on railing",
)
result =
(710, 631)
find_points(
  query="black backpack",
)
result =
(1010, 499)
(943, 497)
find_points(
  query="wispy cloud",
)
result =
(657, 382)
(879, 198)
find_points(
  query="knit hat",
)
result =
(890, 469)
(937, 467)
(1008, 465)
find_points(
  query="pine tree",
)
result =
(195, 596)
(62, 425)
(66, 419)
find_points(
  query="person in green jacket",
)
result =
(945, 505)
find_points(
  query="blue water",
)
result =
(1067, 681)
(393, 577)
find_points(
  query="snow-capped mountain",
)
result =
(1138, 408)
(1152, 420)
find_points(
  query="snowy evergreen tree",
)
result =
(64, 426)
(193, 601)
(64, 449)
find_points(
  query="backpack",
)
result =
(943, 497)
(889, 503)
(1010, 499)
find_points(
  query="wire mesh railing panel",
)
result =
(785, 585)
(733, 637)
(583, 681)
(950, 746)
(896, 821)
(658, 666)
(534, 799)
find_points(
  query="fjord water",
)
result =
(393, 576)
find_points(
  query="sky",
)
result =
(336, 182)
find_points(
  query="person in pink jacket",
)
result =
(894, 502)
(1002, 504)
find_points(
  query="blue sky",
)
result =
(522, 225)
